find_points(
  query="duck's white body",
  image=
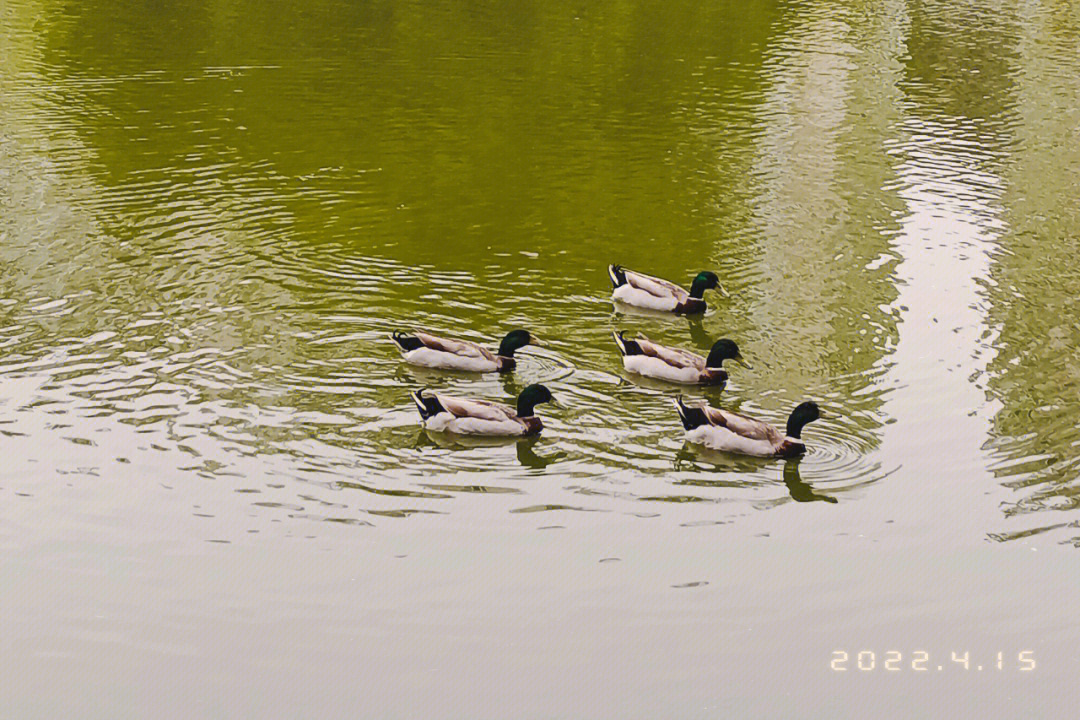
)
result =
(718, 438)
(448, 422)
(644, 357)
(473, 417)
(656, 368)
(449, 354)
(651, 293)
(733, 432)
(442, 360)
(643, 299)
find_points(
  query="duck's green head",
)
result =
(530, 397)
(514, 340)
(806, 412)
(705, 280)
(722, 350)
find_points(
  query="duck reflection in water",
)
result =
(799, 490)
(526, 455)
(510, 385)
(698, 334)
(690, 455)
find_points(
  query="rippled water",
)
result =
(213, 213)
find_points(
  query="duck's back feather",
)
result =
(463, 348)
(742, 425)
(655, 286)
(654, 367)
(480, 409)
(675, 357)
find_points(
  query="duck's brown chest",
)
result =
(716, 378)
(790, 449)
(692, 306)
(532, 424)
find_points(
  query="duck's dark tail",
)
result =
(428, 407)
(692, 417)
(407, 343)
(618, 277)
(626, 347)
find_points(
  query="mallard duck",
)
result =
(729, 431)
(427, 350)
(645, 291)
(645, 357)
(445, 413)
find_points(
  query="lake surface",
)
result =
(215, 496)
